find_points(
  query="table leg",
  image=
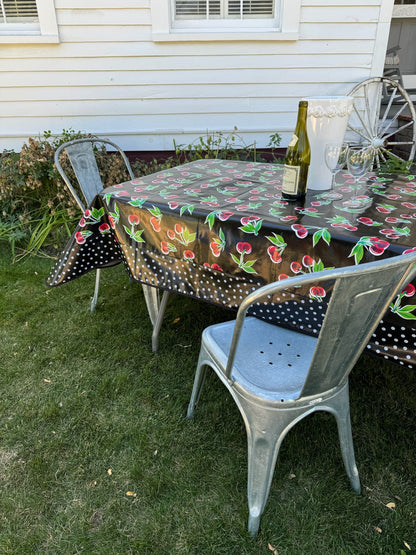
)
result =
(156, 308)
(97, 287)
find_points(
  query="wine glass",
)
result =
(359, 160)
(335, 158)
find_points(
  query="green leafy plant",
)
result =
(226, 146)
(38, 211)
(393, 164)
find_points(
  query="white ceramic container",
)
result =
(326, 123)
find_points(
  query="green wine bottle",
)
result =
(298, 158)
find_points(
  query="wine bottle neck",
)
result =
(302, 114)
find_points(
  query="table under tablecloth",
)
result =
(216, 230)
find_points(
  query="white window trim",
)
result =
(45, 31)
(163, 30)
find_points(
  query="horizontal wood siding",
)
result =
(107, 77)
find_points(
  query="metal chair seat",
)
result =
(256, 367)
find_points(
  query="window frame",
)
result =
(46, 31)
(165, 29)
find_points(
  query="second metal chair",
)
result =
(81, 153)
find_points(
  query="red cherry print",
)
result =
(295, 267)
(164, 247)
(134, 219)
(224, 215)
(215, 249)
(155, 224)
(409, 290)
(244, 248)
(79, 238)
(307, 261)
(274, 254)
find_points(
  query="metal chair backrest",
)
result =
(360, 297)
(82, 157)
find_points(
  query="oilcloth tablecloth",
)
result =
(216, 230)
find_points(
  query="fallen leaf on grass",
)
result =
(272, 549)
(377, 529)
(408, 546)
(131, 494)
(109, 471)
(391, 505)
(46, 380)
(176, 320)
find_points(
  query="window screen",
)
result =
(18, 11)
(223, 9)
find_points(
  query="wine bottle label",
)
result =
(293, 140)
(290, 179)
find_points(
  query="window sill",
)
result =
(402, 11)
(177, 36)
(25, 39)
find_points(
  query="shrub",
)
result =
(38, 210)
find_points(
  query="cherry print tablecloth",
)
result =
(216, 230)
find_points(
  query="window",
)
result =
(13, 11)
(28, 21)
(193, 20)
(223, 9)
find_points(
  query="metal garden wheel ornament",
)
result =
(378, 104)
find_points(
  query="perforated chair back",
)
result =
(360, 297)
(82, 157)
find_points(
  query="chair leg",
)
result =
(97, 288)
(265, 432)
(342, 415)
(200, 374)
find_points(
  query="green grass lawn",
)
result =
(96, 455)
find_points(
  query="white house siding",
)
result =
(107, 77)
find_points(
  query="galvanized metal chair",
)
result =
(278, 376)
(81, 154)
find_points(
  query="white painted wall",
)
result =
(107, 77)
